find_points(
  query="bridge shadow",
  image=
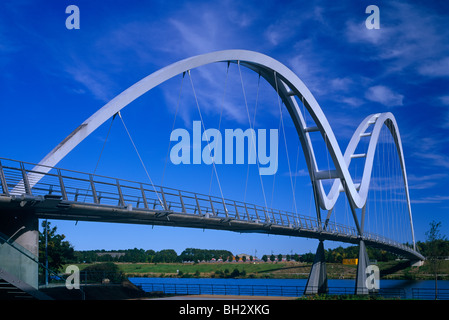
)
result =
(394, 268)
(383, 272)
(282, 268)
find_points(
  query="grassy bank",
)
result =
(280, 270)
(208, 270)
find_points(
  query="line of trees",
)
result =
(280, 257)
(195, 255)
(338, 254)
(129, 255)
(141, 255)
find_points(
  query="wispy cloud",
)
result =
(384, 95)
(425, 181)
(405, 30)
(437, 68)
(444, 100)
(436, 159)
(91, 80)
(431, 199)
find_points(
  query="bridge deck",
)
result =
(72, 195)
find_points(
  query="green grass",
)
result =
(204, 269)
(187, 268)
(269, 270)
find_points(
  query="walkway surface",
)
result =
(221, 297)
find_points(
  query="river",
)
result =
(422, 289)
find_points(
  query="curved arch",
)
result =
(288, 85)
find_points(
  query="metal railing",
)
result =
(429, 294)
(253, 290)
(18, 178)
(218, 289)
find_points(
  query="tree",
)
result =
(307, 257)
(434, 250)
(235, 273)
(100, 271)
(150, 255)
(135, 255)
(191, 254)
(54, 248)
(166, 256)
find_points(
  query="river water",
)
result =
(422, 289)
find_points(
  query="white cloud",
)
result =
(411, 37)
(384, 96)
(429, 152)
(357, 32)
(95, 81)
(341, 84)
(352, 101)
(431, 199)
(424, 182)
(439, 160)
(439, 68)
(444, 100)
(308, 68)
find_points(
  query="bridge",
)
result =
(44, 191)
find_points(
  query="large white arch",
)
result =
(288, 86)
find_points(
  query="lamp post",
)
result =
(46, 252)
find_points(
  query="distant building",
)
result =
(112, 254)
(247, 257)
(350, 261)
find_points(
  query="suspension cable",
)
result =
(285, 141)
(254, 121)
(219, 122)
(274, 176)
(252, 138)
(99, 157)
(173, 126)
(207, 138)
(141, 161)
(296, 171)
(104, 144)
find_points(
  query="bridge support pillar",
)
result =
(317, 282)
(362, 275)
(21, 229)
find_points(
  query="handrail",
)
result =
(251, 289)
(5, 240)
(83, 187)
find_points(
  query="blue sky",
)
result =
(52, 79)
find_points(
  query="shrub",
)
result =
(100, 271)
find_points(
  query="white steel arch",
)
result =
(288, 86)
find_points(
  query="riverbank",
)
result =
(398, 270)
